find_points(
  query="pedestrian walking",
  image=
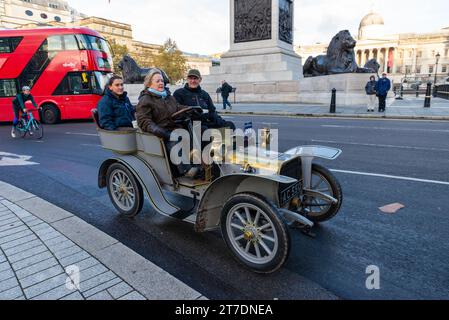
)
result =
(383, 86)
(370, 89)
(226, 89)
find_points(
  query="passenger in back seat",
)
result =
(115, 110)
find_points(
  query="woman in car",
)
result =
(154, 115)
(115, 110)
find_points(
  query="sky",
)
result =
(202, 26)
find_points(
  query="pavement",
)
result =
(47, 253)
(409, 108)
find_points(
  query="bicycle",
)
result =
(28, 124)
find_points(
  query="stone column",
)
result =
(386, 53)
(393, 65)
(414, 61)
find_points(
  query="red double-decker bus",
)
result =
(66, 68)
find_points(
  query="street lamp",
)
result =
(438, 56)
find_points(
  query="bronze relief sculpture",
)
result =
(252, 20)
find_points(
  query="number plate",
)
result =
(289, 193)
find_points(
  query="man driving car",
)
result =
(193, 95)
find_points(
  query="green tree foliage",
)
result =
(171, 60)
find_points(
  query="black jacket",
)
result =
(370, 88)
(115, 112)
(20, 100)
(226, 89)
(194, 97)
(198, 97)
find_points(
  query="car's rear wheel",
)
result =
(50, 114)
(124, 190)
(255, 233)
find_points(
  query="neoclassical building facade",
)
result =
(15, 13)
(409, 55)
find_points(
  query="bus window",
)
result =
(70, 42)
(79, 83)
(98, 44)
(4, 45)
(55, 43)
(9, 45)
(75, 83)
(8, 88)
(82, 42)
(99, 81)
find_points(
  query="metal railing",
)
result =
(442, 91)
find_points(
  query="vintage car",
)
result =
(253, 204)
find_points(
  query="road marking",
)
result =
(391, 177)
(82, 134)
(383, 128)
(381, 145)
(13, 160)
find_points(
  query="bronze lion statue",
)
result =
(340, 58)
(133, 74)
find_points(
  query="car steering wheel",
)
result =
(187, 113)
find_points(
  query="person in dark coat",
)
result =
(383, 86)
(18, 105)
(154, 114)
(193, 95)
(115, 110)
(226, 89)
(370, 90)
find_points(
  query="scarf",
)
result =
(162, 94)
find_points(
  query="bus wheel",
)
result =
(50, 114)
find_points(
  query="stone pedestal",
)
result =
(350, 89)
(261, 62)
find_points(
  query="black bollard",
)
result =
(428, 95)
(333, 108)
(417, 91)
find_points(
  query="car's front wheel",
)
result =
(255, 233)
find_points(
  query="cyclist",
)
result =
(18, 105)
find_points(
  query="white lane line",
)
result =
(82, 134)
(383, 128)
(381, 145)
(391, 177)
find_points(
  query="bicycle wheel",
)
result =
(37, 129)
(21, 130)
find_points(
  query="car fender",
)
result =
(147, 179)
(218, 193)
